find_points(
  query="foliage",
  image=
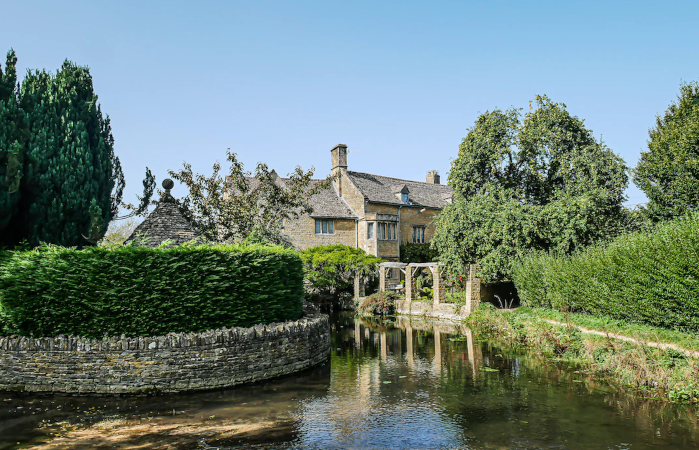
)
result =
(668, 172)
(417, 253)
(241, 205)
(543, 182)
(118, 232)
(12, 142)
(649, 276)
(139, 291)
(60, 181)
(665, 373)
(332, 268)
(380, 303)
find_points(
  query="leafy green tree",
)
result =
(538, 181)
(12, 143)
(243, 206)
(332, 268)
(668, 172)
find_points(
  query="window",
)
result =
(418, 235)
(324, 226)
(387, 231)
(370, 230)
(404, 198)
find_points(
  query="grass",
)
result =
(686, 340)
(659, 373)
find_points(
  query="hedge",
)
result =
(648, 277)
(138, 291)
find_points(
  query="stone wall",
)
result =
(163, 364)
(302, 233)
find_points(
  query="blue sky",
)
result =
(398, 82)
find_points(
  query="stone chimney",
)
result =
(338, 157)
(432, 177)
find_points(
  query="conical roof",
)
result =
(165, 222)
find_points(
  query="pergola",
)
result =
(409, 272)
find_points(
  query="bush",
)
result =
(331, 268)
(417, 253)
(647, 277)
(140, 291)
(381, 303)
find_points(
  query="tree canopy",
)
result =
(532, 181)
(243, 206)
(60, 181)
(668, 172)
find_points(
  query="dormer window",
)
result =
(402, 192)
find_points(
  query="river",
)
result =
(394, 383)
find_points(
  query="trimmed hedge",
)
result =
(139, 291)
(647, 277)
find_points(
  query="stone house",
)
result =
(371, 212)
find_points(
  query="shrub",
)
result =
(417, 253)
(381, 303)
(331, 268)
(140, 291)
(648, 277)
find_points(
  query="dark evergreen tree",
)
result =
(13, 136)
(70, 169)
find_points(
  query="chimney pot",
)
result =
(433, 177)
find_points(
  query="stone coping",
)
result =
(219, 336)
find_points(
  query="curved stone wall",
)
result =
(172, 363)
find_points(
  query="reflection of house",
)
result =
(371, 212)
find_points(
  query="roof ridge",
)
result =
(396, 179)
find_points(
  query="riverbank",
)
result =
(663, 373)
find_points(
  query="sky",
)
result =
(400, 83)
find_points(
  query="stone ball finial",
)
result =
(168, 184)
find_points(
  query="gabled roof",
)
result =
(327, 203)
(377, 188)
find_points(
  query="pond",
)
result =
(396, 383)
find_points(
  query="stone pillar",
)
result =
(409, 285)
(437, 286)
(382, 278)
(357, 283)
(473, 289)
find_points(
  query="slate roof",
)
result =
(327, 203)
(377, 188)
(163, 223)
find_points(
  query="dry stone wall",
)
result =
(164, 364)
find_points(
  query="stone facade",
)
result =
(164, 364)
(358, 202)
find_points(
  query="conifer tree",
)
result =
(70, 169)
(12, 145)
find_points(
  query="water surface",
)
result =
(396, 383)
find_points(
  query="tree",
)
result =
(243, 207)
(12, 142)
(60, 181)
(332, 268)
(668, 172)
(538, 181)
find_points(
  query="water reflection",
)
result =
(396, 383)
